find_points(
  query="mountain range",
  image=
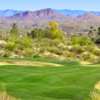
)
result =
(70, 20)
(66, 12)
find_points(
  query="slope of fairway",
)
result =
(68, 82)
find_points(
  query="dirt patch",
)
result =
(30, 63)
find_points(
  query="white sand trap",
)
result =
(95, 95)
(30, 63)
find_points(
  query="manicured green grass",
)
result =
(68, 82)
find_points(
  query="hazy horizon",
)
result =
(50, 8)
(54, 4)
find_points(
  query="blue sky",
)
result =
(56, 4)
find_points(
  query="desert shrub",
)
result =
(3, 44)
(96, 51)
(81, 40)
(2, 53)
(86, 56)
(69, 54)
(97, 40)
(12, 42)
(28, 52)
(11, 46)
(89, 57)
(25, 42)
(7, 53)
(55, 50)
(48, 45)
(94, 34)
(77, 49)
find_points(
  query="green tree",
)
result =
(97, 38)
(92, 33)
(14, 30)
(54, 31)
(37, 33)
(98, 33)
(12, 39)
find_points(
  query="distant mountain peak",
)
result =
(46, 12)
(43, 13)
(88, 16)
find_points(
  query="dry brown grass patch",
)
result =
(5, 96)
(95, 95)
(30, 63)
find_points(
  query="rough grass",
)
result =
(95, 94)
(69, 82)
(5, 96)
